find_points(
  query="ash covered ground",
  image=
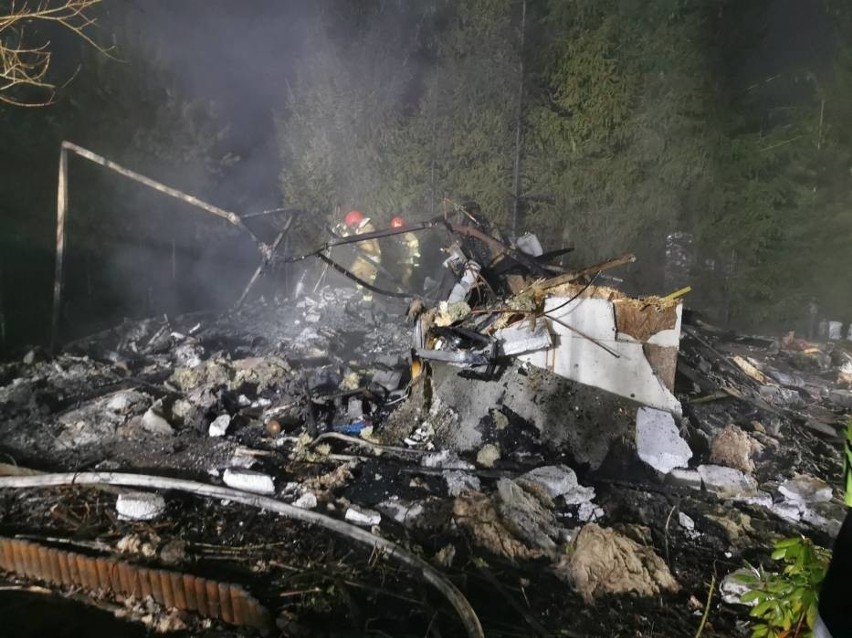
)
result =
(555, 508)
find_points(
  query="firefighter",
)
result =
(835, 613)
(410, 253)
(369, 253)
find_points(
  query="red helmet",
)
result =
(397, 222)
(353, 218)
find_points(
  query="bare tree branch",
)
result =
(24, 65)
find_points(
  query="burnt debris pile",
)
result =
(489, 457)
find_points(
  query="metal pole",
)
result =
(61, 214)
(233, 218)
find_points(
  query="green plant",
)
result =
(786, 601)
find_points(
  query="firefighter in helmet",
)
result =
(368, 253)
(409, 253)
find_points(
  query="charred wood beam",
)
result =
(568, 277)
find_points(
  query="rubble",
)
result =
(248, 480)
(362, 516)
(727, 482)
(525, 516)
(507, 423)
(559, 481)
(806, 489)
(219, 426)
(685, 478)
(139, 506)
(658, 441)
(488, 455)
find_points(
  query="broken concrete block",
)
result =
(605, 562)
(520, 338)
(488, 455)
(806, 489)
(685, 478)
(248, 481)
(220, 425)
(727, 482)
(139, 506)
(156, 424)
(362, 516)
(658, 441)
(560, 480)
(734, 448)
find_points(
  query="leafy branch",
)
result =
(785, 603)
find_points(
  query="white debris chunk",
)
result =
(727, 482)
(242, 458)
(732, 589)
(123, 401)
(248, 481)
(220, 425)
(658, 441)
(560, 480)
(686, 522)
(306, 501)
(459, 482)
(445, 459)
(589, 512)
(806, 489)
(155, 424)
(688, 525)
(362, 516)
(520, 338)
(188, 354)
(139, 506)
(402, 512)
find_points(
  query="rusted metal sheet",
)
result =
(213, 599)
